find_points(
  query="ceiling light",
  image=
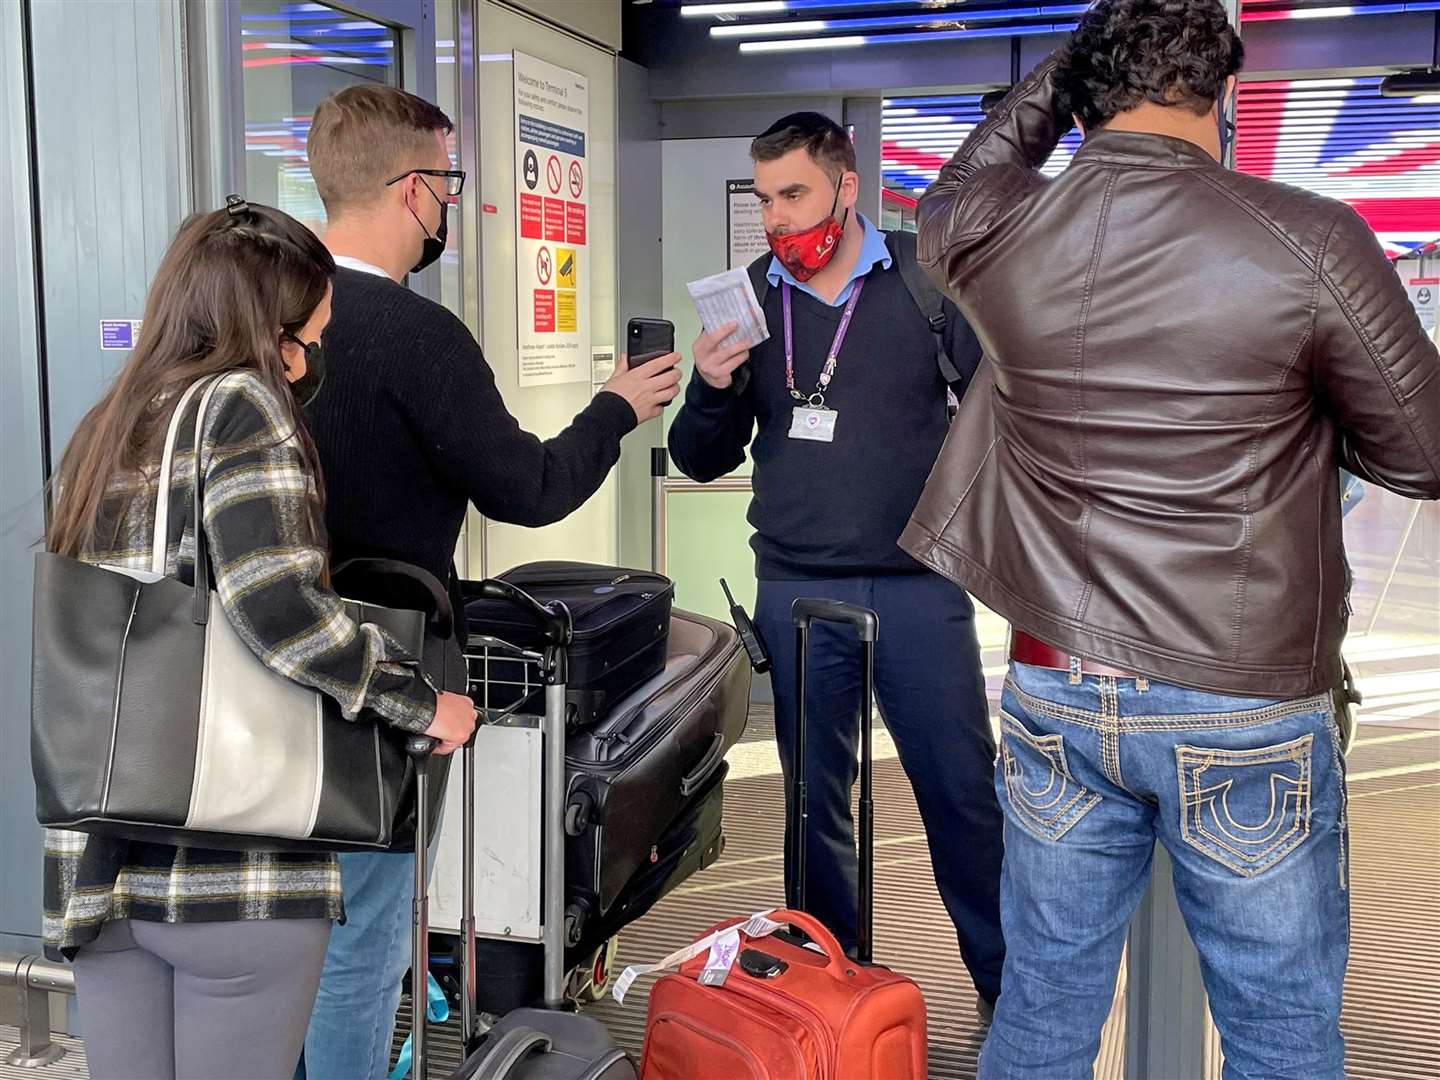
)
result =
(746, 29)
(796, 44)
(750, 7)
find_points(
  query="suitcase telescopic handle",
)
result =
(808, 610)
(553, 622)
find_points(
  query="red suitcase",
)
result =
(786, 1011)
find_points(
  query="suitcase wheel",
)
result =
(590, 982)
(577, 813)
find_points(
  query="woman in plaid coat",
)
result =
(192, 963)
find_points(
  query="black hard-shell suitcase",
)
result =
(620, 619)
(540, 1044)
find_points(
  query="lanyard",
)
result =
(817, 399)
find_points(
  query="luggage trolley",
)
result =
(519, 693)
(554, 884)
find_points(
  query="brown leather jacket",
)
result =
(1181, 358)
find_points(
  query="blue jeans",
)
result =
(354, 1018)
(1248, 797)
(932, 696)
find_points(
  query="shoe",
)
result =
(986, 1011)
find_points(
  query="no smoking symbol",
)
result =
(543, 266)
(552, 174)
(577, 180)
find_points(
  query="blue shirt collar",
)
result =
(873, 252)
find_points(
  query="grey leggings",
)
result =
(199, 1001)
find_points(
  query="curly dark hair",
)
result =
(1126, 52)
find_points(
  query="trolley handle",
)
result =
(553, 621)
(806, 611)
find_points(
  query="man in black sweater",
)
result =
(846, 431)
(846, 428)
(411, 429)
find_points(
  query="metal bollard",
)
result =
(34, 981)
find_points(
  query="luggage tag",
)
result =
(721, 959)
(758, 925)
(813, 425)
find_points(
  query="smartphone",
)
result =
(645, 339)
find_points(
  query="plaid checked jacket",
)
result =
(268, 577)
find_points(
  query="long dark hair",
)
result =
(232, 282)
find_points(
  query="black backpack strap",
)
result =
(927, 297)
(759, 270)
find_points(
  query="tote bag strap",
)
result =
(202, 547)
(161, 541)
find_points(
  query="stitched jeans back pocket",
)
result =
(1246, 809)
(1045, 798)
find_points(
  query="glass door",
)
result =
(293, 56)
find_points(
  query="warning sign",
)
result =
(555, 220)
(574, 223)
(531, 217)
(544, 311)
(565, 312)
(552, 122)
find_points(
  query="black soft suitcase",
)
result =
(620, 620)
(652, 760)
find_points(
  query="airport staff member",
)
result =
(848, 407)
(411, 428)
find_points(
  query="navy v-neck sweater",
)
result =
(829, 509)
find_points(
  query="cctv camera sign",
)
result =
(552, 212)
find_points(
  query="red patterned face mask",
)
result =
(805, 253)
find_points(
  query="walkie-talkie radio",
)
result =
(749, 636)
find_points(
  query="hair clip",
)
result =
(236, 205)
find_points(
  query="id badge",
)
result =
(813, 425)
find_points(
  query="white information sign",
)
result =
(552, 213)
(1424, 292)
(744, 226)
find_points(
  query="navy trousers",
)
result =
(931, 694)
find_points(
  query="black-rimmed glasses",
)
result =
(454, 179)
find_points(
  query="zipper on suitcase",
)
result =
(740, 1049)
(749, 988)
(612, 737)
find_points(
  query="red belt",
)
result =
(1025, 649)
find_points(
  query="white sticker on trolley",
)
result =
(757, 926)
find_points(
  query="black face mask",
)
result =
(308, 385)
(1227, 129)
(434, 246)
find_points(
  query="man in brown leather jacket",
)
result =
(1145, 484)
